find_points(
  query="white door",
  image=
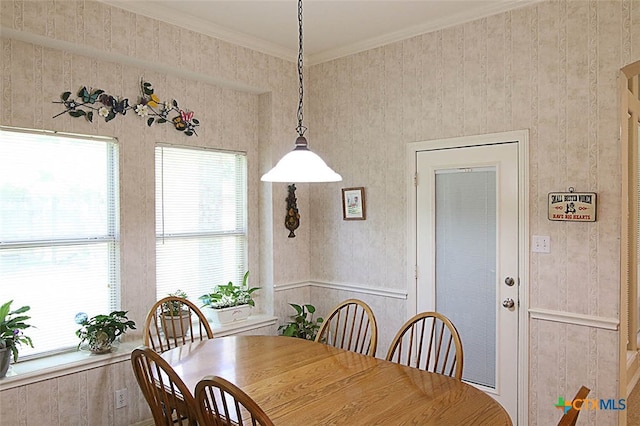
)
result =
(467, 257)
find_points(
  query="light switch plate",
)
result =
(541, 244)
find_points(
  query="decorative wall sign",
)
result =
(353, 206)
(88, 101)
(572, 206)
(292, 220)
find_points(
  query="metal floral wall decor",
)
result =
(149, 106)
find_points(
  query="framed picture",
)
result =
(353, 204)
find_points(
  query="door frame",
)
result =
(521, 137)
(629, 352)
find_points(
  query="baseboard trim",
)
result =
(355, 288)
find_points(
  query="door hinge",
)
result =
(415, 179)
(415, 272)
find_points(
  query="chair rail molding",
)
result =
(356, 288)
(574, 318)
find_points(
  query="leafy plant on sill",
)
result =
(12, 326)
(303, 325)
(100, 331)
(174, 307)
(228, 295)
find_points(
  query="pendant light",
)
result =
(301, 165)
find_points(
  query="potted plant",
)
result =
(229, 302)
(99, 332)
(12, 326)
(175, 315)
(303, 325)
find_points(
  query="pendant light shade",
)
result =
(301, 165)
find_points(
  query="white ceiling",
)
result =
(332, 28)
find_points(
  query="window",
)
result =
(58, 231)
(201, 219)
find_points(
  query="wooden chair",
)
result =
(351, 326)
(571, 416)
(220, 402)
(428, 341)
(167, 395)
(164, 330)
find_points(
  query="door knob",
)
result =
(508, 303)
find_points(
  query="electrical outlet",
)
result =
(121, 398)
(541, 244)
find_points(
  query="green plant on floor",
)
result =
(302, 324)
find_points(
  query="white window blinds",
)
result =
(201, 219)
(58, 231)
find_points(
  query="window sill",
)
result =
(27, 372)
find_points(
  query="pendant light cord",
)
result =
(300, 129)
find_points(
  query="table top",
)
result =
(299, 382)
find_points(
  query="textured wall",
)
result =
(550, 68)
(77, 399)
(49, 47)
(82, 399)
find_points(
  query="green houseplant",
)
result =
(12, 326)
(174, 307)
(236, 299)
(99, 332)
(175, 315)
(302, 324)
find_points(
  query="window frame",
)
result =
(111, 238)
(242, 231)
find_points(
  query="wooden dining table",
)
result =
(300, 382)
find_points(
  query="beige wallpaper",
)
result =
(241, 97)
(77, 399)
(550, 68)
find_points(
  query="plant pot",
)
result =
(228, 315)
(5, 360)
(176, 322)
(103, 349)
(101, 344)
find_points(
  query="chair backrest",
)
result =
(165, 328)
(428, 341)
(351, 326)
(571, 416)
(167, 395)
(220, 402)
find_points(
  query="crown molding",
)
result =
(406, 33)
(199, 25)
(167, 14)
